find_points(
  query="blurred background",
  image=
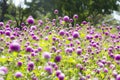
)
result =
(94, 11)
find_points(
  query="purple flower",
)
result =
(30, 66)
(75, 16)
(14, 46)
(30, 20)
(48, 69)
(57, 58)
(62, 32)
(19, 63)
(58, 72)
(117, 57)
(46, 55)
(66, 18)
(84, 22)
(7, 33)
(1, 24)
(118, 77)
(56, 11)
(79, 51)
(18, 74)
(61, 76)
(75, 34)
(4, 69)
(29, 49)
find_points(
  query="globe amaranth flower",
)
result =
(66, 18)
(14, 46)
(117, 57)
(75, 16)
(118, 77)
(61, 76)
(30, 20)
(56, 11)
(61, 32)
(18, 74)
(48, 69)
(75, 34)
(46, 55)
(30, 66)
(4, 69)
(57, 58)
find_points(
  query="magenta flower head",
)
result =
(118, 77)
(66, 18)
(57, 58)
(84, 22)
(4, 69)
(29, 49)
(61, 76)
(56, 11)
(14, 46)
(19, 63)
(58, 72)
(1, 24)
(117, 57)
(33, 27)
(7, 32)
(75, 16)
(30, 20)
(75, 34)
(18, 74)
(79, 51)
(61, 32)
(47, 55)
(30, 66)
(48, 69)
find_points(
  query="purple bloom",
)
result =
(14, 46)
(7, 33)
(18, 74)
(19, 63)
(117, 57)
(1, 24)
(48, 69)
(46, 55)
(79, 51)
(66, 18)
(57, 58)
(118, 77)
(4, 69)
(29, 49)
(75, 16)
(30, 66)
(61, 76)
(75, 34)
(56, 11)
(62, 32)
(30, 20)
(58, 72)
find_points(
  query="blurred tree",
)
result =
(3, 9)
(84, 8)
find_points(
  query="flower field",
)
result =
(59, 49)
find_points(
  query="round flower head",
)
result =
(57, 58)
(79, 51)
(75, 16)
(1, 24)
(7, 33)
(14, 46)
(46, 55)
(118, 77)
(18, 74)
(84, 22)
(66, 18)
(62, 32)
(75, 34)
(61, 76)
(30, 20)
(29, 49)
(56, 11)
(4, 69)
(48, 69)
(117, 57)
